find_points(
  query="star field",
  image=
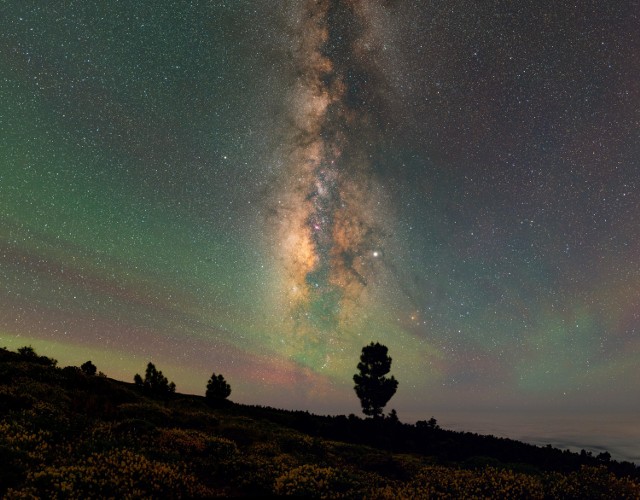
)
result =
(261, 188)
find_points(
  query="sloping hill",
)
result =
(67, 434)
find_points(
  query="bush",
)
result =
(115, 474)
(89, 368)
(312, 481)
(28, 353)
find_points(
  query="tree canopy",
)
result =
(217, 389)
(154, 383)
(373, 388)
(88, 368)
(28, 353)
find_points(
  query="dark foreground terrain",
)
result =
(68, 434)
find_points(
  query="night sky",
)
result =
(261, 188)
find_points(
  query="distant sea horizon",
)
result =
(617, 434)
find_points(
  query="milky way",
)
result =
(261, 188)
(329, 210)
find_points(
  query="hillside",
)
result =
(67, 434)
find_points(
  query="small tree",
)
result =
(27, 352)
(372, 387)
(427, 425)
(154, 383)
(88, 368)
(217, 389)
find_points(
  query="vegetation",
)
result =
(67, 434)
(372, 386)
(154, 383)
(88, 368)
(217, 390)
(29, 354)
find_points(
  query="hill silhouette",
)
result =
(65, 432)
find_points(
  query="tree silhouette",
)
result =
(154, 383)
(27, 352)
(372, 387)
(217, 389)
(88, 368)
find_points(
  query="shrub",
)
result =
(591, 482)
(114, 474)
(312, 481)
(89, 368)
(192, 442)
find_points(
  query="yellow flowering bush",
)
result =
(257, 473)
(190, 442)
(116, 474)
(312, 481)
(101, 432)
(445, 482)
(591, 482)
(504, 483)
(33, 444)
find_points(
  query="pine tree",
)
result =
(372, 386)
(217, 389)
(154, 383)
